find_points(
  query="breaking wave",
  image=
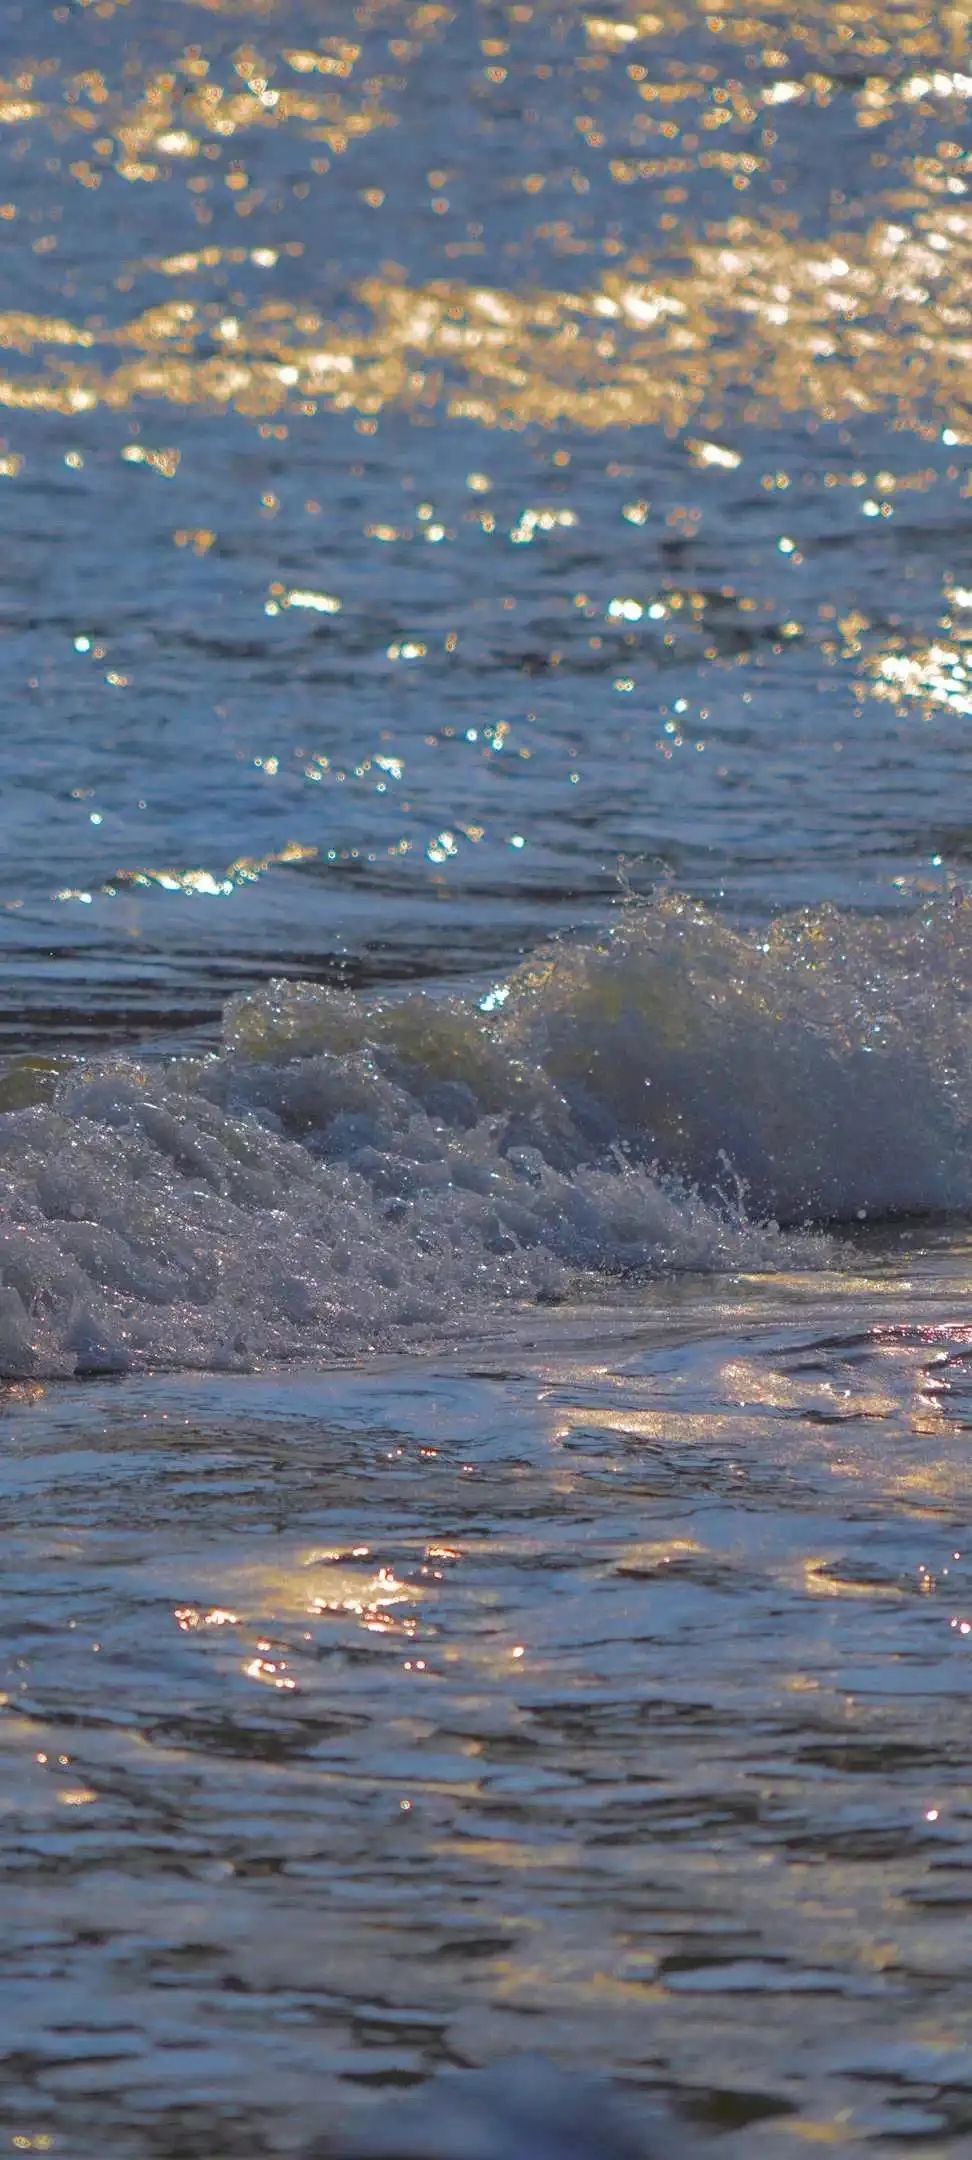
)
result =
(347, 1172)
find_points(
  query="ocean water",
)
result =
(485, 1079)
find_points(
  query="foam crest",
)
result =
(348, 1174)
(822, 1063)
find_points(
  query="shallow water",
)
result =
(483, 1283)
(606, 1696)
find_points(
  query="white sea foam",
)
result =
(348, 1173)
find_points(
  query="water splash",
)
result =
(349, 1172)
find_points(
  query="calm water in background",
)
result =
(446, 454)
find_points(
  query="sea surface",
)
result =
(485, 1079)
